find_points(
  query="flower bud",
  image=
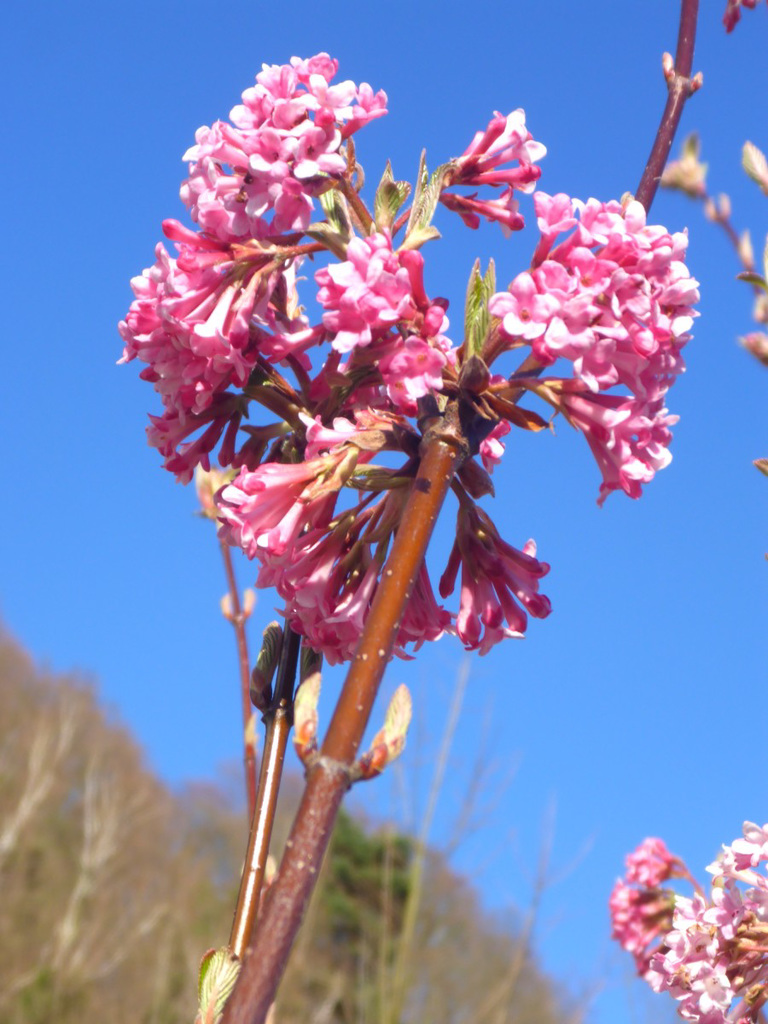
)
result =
(226, 608)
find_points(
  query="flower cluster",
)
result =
(222, 332)
(710, 951)
(375, 301)
(614, 298)
(641, 911)
(486, 161)
(256, 177)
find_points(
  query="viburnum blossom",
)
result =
(258, 176)
(486, 162)
(614, 298)
(370, 293)
(497, 582)
(708, 952)
(322, 417)
(641, 911)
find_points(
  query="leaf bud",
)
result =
(219, 969)
(266, 663)
(305, 716)
(389, 741)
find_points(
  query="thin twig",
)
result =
(238, 620)
(680, 85)
(444, 448)
(278, 720)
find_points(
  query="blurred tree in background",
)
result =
(113, 888)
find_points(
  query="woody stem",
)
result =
(443, 450)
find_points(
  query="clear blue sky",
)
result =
(638, 706)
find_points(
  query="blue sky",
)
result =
(637, 707)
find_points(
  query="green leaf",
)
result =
(477, 319)
(390, 196)
(419, 236)
(336, 210)
(425, 198)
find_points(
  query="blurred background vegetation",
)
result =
(113, 887)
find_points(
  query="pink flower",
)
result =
(486, 161)
(492, 447)
(329, 575)
(525, 311)
(497, 582)
(258, 176)
(366, 294)
(506, 139)
(411, 369)
(628, 438)
(374, 290)
(640, 920)
(650, 864)
(264, 511)
(191, 317)
(194, 323)
(615, 299)
(708, 953)
(504, 210)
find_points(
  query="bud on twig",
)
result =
(249, 603)
(687, 174)
(219, 969)
(757, 344)
(305, 718)
(389, 742)
(266, 663)
(754, 163)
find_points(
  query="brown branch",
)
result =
(680, 86)
(278, 720)
(443, 450)
(238, 620)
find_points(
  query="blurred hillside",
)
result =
(113, 887)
